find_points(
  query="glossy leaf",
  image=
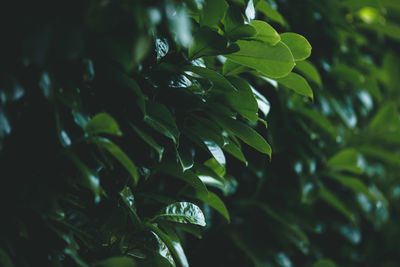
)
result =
(185, 154)
(265, 32)
(273, 61)
(299, 46)
(102, 123)
(297, 83)
(119, 155)
(182, 212)
(347, 160)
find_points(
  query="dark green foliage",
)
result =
(209, 133)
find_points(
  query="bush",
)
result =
(130, 129)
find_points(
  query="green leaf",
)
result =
(346, 160)
(243, 101)
(102, 123)
(91, 180)
(219, 81)
(234, 25)
(171, 240)
(149, 140)
(354, 184)
(182, 212)
(207, 42)
(185, 154)
(160, 118)
(335, 202)
(273, 61)
(129, 200)
(391, 30)
(118, 154)
(246, 134)
(263, 104)
(265, 32)
(213, 201)
(324, 263)
(215, 151)
(309, 70)
(231, 68)
(235, 151)
(299, 46)
(212, 13)
(116, 262)
(270, 12)
(297, 83)
(187, 176)
(214, 165)
(5, 259)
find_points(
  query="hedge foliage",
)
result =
(163, 133)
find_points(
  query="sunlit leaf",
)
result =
(299, 46)
(347, 160)
(297, 83)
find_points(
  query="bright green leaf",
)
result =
(297, 83)
(273, 61)
(265, 32)
(212, 13)
(299, 46)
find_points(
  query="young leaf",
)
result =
(102, 123)
(299, 46)
(297, 83)
(118, 154)
(273, 61)
(182, 212)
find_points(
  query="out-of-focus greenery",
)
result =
(201, 133)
